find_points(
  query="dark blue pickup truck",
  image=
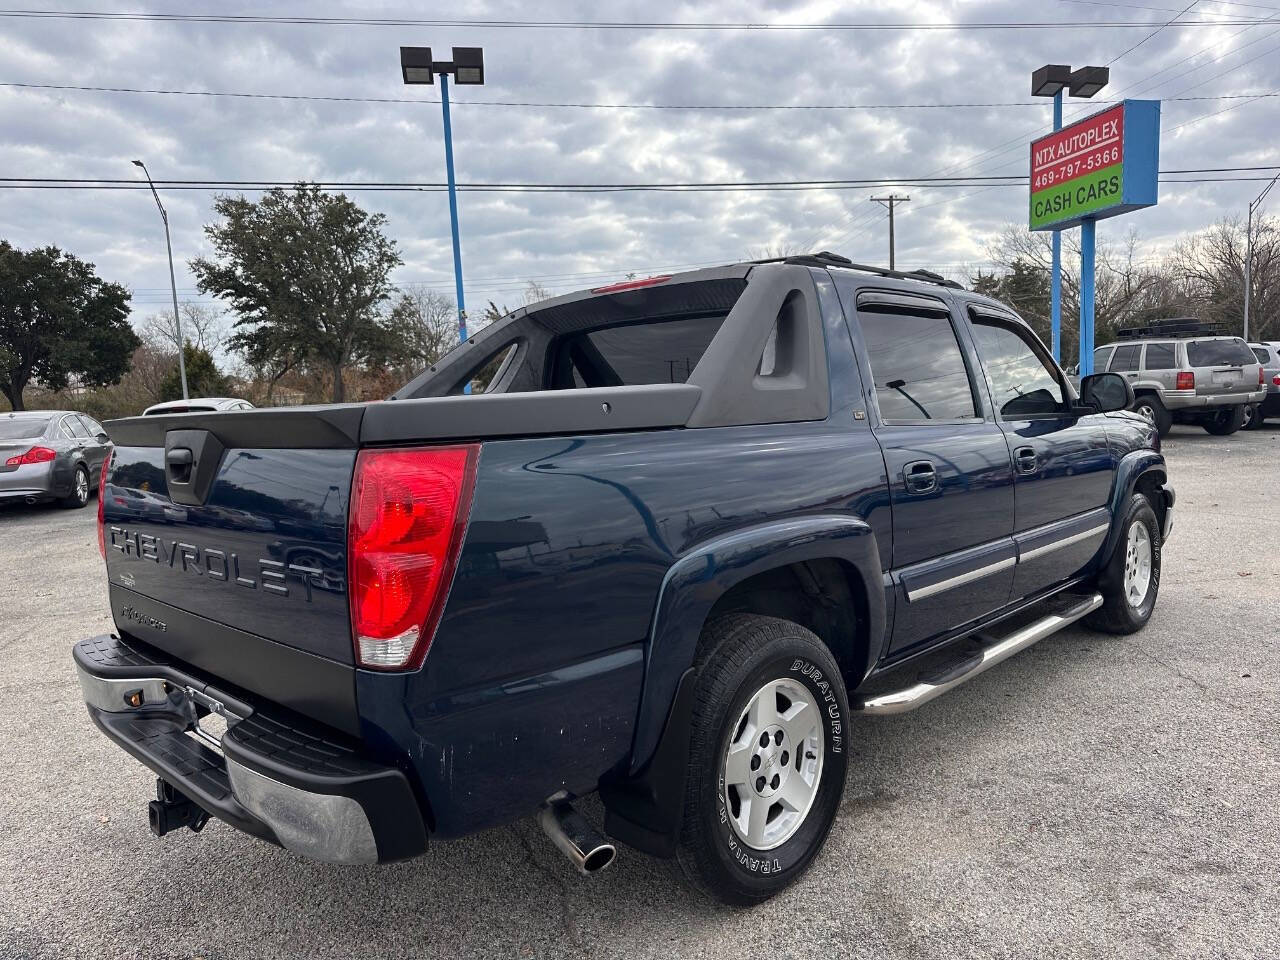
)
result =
(681, 534)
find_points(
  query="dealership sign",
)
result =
(1102, 166)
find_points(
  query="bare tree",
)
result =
(428, 322)
(202, 327)
(1210, 267)
(533, 292)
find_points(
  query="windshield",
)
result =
(1214, 353)
(28, 428)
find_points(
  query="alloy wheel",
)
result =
(1137, 564)
(773, 764)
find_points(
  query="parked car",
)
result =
(1268, 354)
(1184, 371)
(198, 405)
(51, 455)
(659, 558)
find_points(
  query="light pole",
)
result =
(1049, 81)
(1254, 204)
(173, 286)
(467, 67)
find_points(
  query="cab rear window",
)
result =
(1219, 353)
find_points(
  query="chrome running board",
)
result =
(950, 675)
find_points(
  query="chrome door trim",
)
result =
(960, 579)
(1067, 541)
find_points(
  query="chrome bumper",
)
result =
(283, 780)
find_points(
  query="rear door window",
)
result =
(1160, 356)
(1126, 357)
(1219, 353)
(917, 366)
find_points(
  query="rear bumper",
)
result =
(1190, 401)
(29, 480)
(272, 774)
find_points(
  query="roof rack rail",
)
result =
(1176, 328)
(828, 259)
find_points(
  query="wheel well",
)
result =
(826, 596)
(1149, 485)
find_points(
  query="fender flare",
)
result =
(644, 803)
(1132, 468)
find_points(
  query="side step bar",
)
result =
(951, 675)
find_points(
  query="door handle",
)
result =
(920, 477)
(1025, 458)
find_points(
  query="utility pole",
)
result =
(173, 284)
(1255, 204)
(889, 202)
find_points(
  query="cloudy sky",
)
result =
(569, 240)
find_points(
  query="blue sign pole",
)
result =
(1055, 275)
(453, 208)
(1087, 229)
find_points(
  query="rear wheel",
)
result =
(1226, 422)
(1130, 582)
(79, 494)
(767, 758)
(1149, 407)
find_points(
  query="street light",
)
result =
(1049, 81)
(173, 286)
(1248, 256)
(467, 67)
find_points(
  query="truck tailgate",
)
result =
(234, 557)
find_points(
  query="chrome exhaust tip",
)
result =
(576, 838)
(31, 501)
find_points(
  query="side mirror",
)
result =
(1106, 392)
(103, 438)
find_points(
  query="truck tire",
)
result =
(767, 757)
(79, 494)
(1149, 407)
(1226, 422)
(1130, 582)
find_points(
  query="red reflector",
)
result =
(408, 515)
(34, 455)
(102, 503)
(1186, 380)
(632, 284)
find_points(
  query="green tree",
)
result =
(204, 379)
(305, 271)
(59, 321)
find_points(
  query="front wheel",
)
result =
(1153, 411)
(1226, 422)
(767, 758)
(1130, 582)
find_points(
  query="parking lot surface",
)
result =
(1092, 797)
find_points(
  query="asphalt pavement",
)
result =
(1091, 797)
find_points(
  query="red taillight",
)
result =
(1261, 381)
(34, 455)
(408, 515)
(1186, 380)
(1276, 379)
(631, 284)
(102, 501)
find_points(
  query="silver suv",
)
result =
(1178, 377)
(1268, 354)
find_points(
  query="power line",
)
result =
(1177, 16)
(476, 23)
(1001, 180)
(81, 88)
